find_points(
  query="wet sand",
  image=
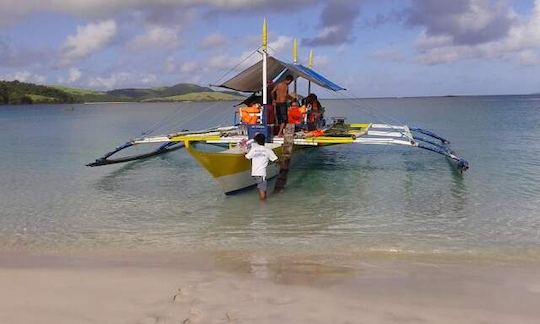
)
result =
(243, 288)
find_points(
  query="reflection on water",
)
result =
(111, 182)
(339, 198)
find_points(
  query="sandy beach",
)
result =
(236, 288)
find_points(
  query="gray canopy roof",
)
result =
(250, 80)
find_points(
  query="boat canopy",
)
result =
(250, 79)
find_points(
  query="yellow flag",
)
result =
(264, 35)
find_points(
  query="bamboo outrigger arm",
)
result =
(169, 143)
(162, 149)
(437, 144)
(368, 134)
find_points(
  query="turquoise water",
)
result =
(345, 198)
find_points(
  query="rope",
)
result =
(236, 66)
(180, 123)
(155, 126)
(356, 99)
(167, 123)
(376, 116)
(161, 123)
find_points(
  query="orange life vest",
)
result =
(296, 115)
(250, 115)
(315, 133)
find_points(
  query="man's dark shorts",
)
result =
(281, 112)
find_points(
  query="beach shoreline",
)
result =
(255, 288)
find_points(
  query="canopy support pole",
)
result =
(264, 62)
(265, 81)
(295, 61)
(310, 65)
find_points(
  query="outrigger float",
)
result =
(228, 166)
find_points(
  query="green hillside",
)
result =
(162, 92)
(15, 92)
(198, 96)
(86, 95)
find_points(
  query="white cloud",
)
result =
(149, 79)
(425, 42)
(215, 40)
(170, 65)
(278, 46)
(88, 39)
(466, 22)
(186, 68)
(122, 80)
(320, 62)
(110, 82)
(24, 76)
(189, 67)
(390, 54)
(74, 75)
(343, 48)
(11, 10)
(523, 38)
(251, 41)
(280, 43)
(529, 57)
(222, 62)
(156, 36)
(336, 23)
(12, 55)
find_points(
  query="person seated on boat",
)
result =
(260, 155)
(280, 94)
(315, 111)
(296, 114)
(250, 113)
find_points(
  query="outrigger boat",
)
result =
(228, 166)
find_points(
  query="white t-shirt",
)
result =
(259, 156)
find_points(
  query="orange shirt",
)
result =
(296, 115)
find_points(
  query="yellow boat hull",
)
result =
(230, 168)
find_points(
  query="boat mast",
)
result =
(295, 59)
(310, 65)
(264, 55)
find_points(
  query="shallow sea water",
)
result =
(342, 199)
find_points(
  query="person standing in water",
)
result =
(260, 155)
(280, 94)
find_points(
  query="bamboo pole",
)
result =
(288, 144)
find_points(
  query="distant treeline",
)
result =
(15, 92)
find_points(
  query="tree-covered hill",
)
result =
(162, 92)
(15, 92)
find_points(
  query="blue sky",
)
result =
(374, 48)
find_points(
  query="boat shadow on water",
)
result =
(122, 174)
